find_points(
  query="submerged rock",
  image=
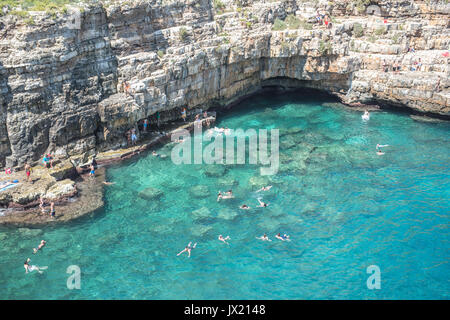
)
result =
(227, 214)
(201, 213)
(215, 170)
(228, 182)
(257, 182)
(150, 193)
(199, 191)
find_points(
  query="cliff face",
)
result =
(60, 80)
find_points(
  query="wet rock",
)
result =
(150, 194)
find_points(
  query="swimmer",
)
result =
(380, 153)
(108, 183)
(35, 250)
(381, 146)
(244, 207)
(264, 238)
(188, 249)
(264, 189)
(282, 237)
(32, 268)
(366, 115)
(262, 204)
(224, 240)
(155, 154)
(227, 195)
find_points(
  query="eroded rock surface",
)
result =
(61, 84)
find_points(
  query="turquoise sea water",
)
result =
(344, 207)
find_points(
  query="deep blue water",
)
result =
(344, 207)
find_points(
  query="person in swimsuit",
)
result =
(41, 204)
(227, 195)
(28, 171)
(145, 125)
(92, 172)
(244, 207)
(183, 114)
(264, 238)
(262, 204)
(52, 209)
(29, 269)
(108, 183)
(366, 115)
(94, 163)
(42, 244)
(133, 137)
(264, 189)
(282, 237)
(46, 161)
(224, 240)
(188, 249)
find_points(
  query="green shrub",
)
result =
(324, 47)
(380, 31)
(279, 25)
(218, 5)
(358, 30)
(160, 53)
(183, 34)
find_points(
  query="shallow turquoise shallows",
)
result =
(344, 207)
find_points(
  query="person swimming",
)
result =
(366, 115)
(262, 204)
(264, 189)
(29, 269)
(108, 183)
(264, 238)
(379, 152)
(41, 245)
(188, 249)
(224, 240)
(282, 237)
(244, 207)
(226, 195)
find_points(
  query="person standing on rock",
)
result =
(183, 114)
(52, 209)
(145, 125)
(92, 172)
(28, 172)
(437, 88)
(133, 137)
(158, 116)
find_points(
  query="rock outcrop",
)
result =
(62, 75)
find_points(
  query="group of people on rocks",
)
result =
(323, 19)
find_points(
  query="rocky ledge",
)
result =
(62, 73)
(67, 184)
